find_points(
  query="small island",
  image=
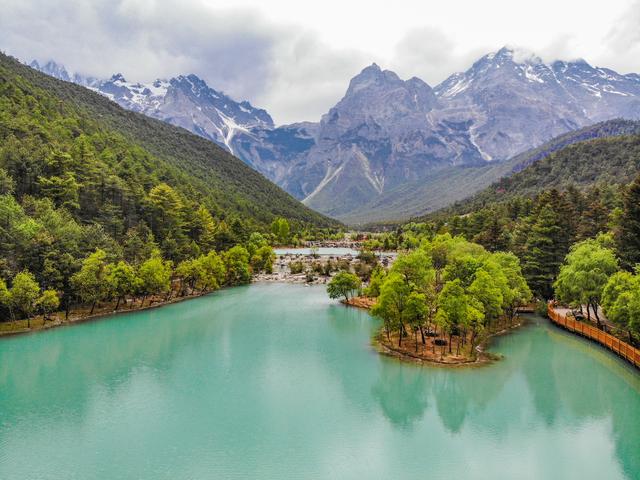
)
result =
(441, 302)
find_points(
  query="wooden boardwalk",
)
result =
(626, 351)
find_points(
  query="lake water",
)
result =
(275, 381)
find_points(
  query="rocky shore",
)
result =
(315, 269)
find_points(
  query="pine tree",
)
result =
(628, 232)
(594, 218)
(541, 260)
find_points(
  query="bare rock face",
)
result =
(387, 135)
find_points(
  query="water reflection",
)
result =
(547, 377)
(273, 381)
(401, 393)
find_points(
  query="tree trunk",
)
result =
(93, 306)
(415, 330)
(595, 312)
(588, 312)
(422, 334)
(450, 337)
(118, 303)
(473, 342)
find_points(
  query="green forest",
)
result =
(98, 203)
(445, 287)
(580, 247)
(602, 161)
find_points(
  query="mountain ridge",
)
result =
(230, 186)
(387, 134)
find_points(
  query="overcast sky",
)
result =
(295, 58)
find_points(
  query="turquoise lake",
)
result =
(276, 381)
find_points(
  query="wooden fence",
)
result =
(626, 351)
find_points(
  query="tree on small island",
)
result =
(343, 284)
(446, 287)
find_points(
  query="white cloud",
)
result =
(296, 58)
(430, 54)
(622, 43)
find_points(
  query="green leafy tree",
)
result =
(343, 284)
(517, 293)
(24, 294)
(456, 310)
(122, 281)
(281, 230)
(256, 241)
(262, 259)
(415, 313)
(378, 275)
(236, 261)
(463, 267)
(486, 289)
(392, 303)
(90, 283)
(621, 302)
(414, 268)
(584, 275)
(5, 295)
(210, 272)
(187, 272)
(48, 303)
(155, 276)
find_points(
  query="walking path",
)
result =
(559, 317)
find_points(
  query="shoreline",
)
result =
(386, 348)
(74, 319)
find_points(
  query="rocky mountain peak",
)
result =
(382, 95)
(372, 77)
(117, 77)
(387, 136)
(53, 69)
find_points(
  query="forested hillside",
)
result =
(606, 161)
(46, 115)
(97, 202)
(456, 184)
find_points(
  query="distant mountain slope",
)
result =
(454, 184)
(607, 160)
(389, 142)
(188, 102)
(154, 152)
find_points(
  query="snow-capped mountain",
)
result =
(517, 103)
(186, 101)
(60, 72)
(388, 135)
